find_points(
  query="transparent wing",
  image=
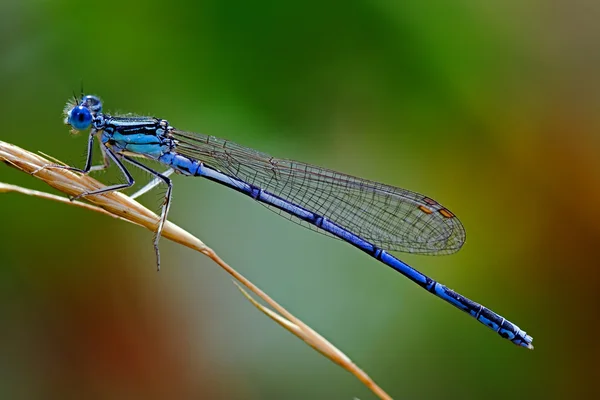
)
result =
(391, 218)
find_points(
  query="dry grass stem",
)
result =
(118, 205)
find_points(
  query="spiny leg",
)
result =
(165, 207)
(105, 160)
(152, 184)
(112, 188)
(88, 163)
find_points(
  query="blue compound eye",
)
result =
(80, 118)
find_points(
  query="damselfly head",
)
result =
(80, 114)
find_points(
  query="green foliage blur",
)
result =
(491, 108)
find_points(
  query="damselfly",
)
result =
(371, 216)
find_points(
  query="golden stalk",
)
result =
(118, 205)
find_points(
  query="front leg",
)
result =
(105, 160)
(112, 156)
(88, 163)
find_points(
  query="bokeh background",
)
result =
(492, 108)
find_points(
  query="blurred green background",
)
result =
(489, 108)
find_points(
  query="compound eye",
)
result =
(80, 118)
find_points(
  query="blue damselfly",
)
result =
(371, 216)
